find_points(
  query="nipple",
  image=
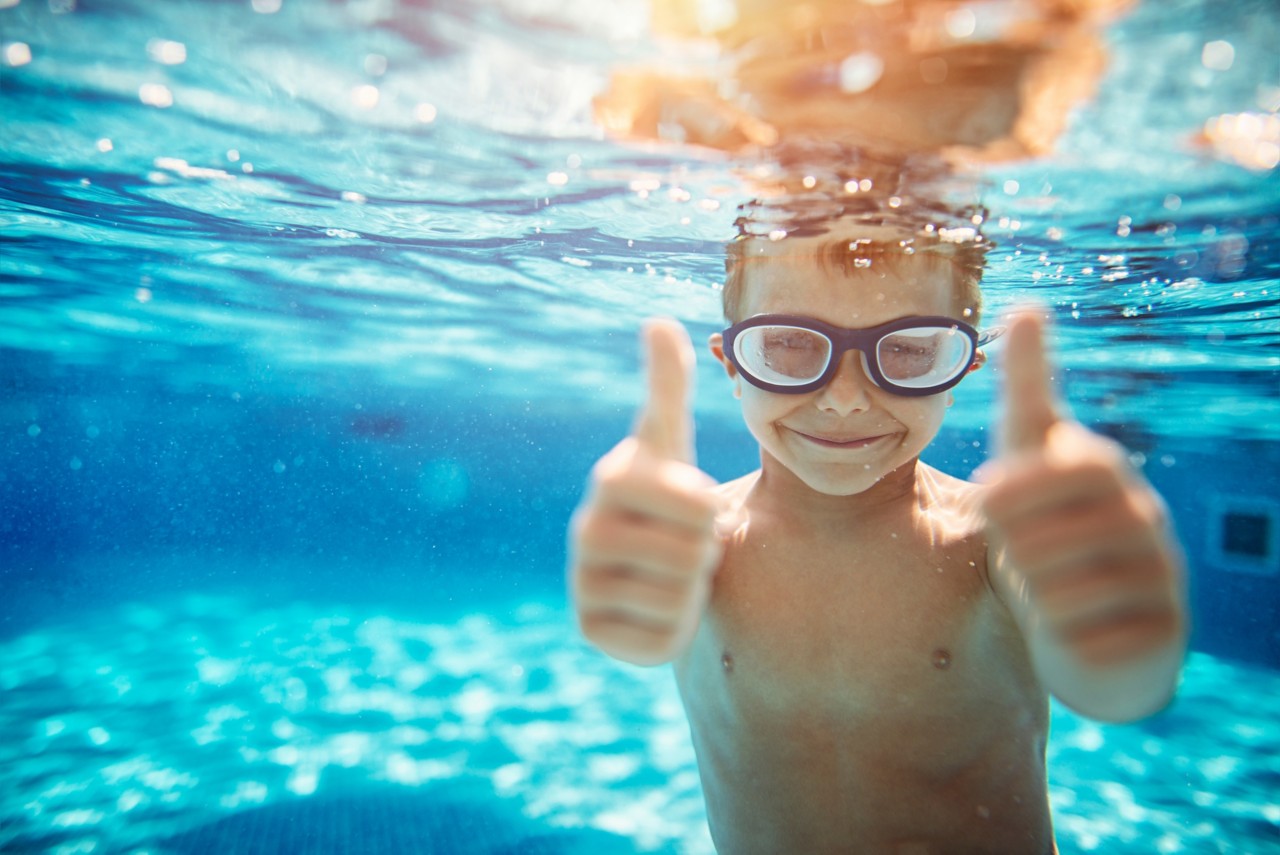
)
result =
(942, 659)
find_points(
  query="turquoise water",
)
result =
(130, 730)
(313, 320)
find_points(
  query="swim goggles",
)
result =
(913, 356)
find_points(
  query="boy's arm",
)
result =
(1082, 552)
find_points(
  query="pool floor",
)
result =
(209, 724)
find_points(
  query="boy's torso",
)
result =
(864, 690)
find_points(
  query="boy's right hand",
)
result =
(643, 544)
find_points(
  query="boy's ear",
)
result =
(979, 360)
(716, 345)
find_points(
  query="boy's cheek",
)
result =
(758, 417)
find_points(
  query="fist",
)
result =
(1084, 540)
(643, 544)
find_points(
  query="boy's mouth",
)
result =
(841, 441)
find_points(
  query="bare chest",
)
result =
(864, 688)
(852, 627)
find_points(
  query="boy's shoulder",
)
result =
(734, 493)
(949, 496)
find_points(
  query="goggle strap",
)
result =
(989, 335)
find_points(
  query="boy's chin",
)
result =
(834, 483)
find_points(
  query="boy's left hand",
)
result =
(1084, 539)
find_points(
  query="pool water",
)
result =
(141, 730)
(313, 317)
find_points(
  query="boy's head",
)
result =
(845, 436)
(853, 248)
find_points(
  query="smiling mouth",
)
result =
(842, 442)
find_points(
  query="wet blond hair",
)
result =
(957, 252)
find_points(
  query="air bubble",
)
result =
(1218, 55)
(167, 52)
(155, 95)
(17, 53)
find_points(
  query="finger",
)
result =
(665, 426)
(1050, 544)
(1029, 408)
(662, 554)
(1038, 556)
(636, 639)
(1119, 627)
(666, 490)
(1038, 488)
(618, 590)
(1114, 642)
(1073, 596)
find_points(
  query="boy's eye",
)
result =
(791, 339)
(908, 350)
(920, 354)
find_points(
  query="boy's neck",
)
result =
(785, 494)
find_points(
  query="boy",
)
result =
(864, 645)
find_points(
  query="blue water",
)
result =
(311, 328)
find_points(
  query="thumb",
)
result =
(1029, 406)
(665, 426)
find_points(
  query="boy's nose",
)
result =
(848, 391)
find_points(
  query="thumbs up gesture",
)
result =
(1081, 548)
(643, 544)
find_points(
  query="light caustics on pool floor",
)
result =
(149, 722)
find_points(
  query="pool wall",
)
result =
(117, 490)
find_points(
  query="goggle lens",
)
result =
(923, 357)
(783, 355)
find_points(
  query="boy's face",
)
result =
(843, 438)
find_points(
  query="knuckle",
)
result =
(668, 601)
(1102, 470)
(599, 533)
(1153, 509)
(599, 627)
(608, 482)
(615, 464)
(585, 525)
(594, 585)
(581, 520)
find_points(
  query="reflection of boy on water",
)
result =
(986, 80)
